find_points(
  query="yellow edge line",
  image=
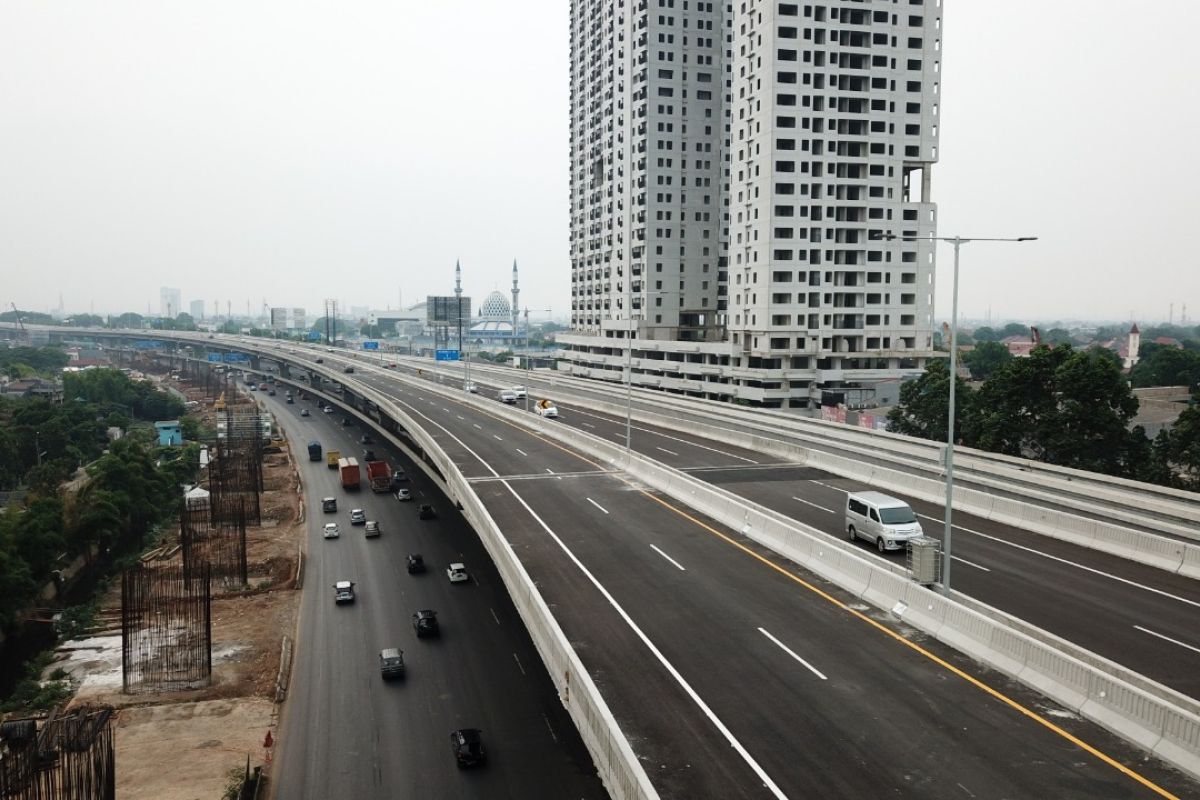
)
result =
(976, 682)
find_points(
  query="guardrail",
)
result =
(862, 463)
(1149, 715)
(1126, 500)
(1158, 719)
(616, 763)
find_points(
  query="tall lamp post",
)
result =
(947, 526)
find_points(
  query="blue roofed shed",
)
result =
(169, 433)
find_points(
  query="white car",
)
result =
(519, 391)
(457, 573)
(331, 530)
(470, 386)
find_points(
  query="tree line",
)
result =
(132, 484)
(1063, 406)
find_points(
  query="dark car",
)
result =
(366, 439)
(348, 369)
(271, 393)
(425, 511)
(320, 361)
(346, 421)
(467, 744)
(368, 455)
(425, 623)
(358, 516)
(304, 412)
(416, 563)
(291, 400)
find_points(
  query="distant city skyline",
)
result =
(132, 160)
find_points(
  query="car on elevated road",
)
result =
(358, 516)
(416, 563)
(331, 531)
(457, 573)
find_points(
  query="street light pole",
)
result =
(947, 521)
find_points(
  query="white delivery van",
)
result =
(881, 519)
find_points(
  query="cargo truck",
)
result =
(331, 458)
(314, 451)
(379, 475)
(351, 477)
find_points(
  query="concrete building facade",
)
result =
(747, 199)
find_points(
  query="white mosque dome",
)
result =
(495, 306)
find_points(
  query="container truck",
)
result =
(379, 476)
(351, 477)
(314, 451)
(331, 458)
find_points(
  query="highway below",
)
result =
(735, 674)
(345, 732)
(1130, 613)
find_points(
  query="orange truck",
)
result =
(379, 476)
(351, 477)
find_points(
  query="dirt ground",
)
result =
(182, 745)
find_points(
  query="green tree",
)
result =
(985, 359)
(924, 404)
(1180, 448)
(1060, 406)
(86, 321)
(986, 334)
(1056, 336)
(1166, 366)
(1014, 329)
(128, 320)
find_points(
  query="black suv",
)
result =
(425, 623)
(416, 563)
(467, 744)
(425, 511)
(348, 369)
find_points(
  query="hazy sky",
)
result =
(295, 151)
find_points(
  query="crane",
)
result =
(20, 324)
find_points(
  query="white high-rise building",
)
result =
(170, 303)
(769, 278)
(197, 310)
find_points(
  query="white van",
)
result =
(881, 519)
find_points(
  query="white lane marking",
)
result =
(494, 615)
(460, 416)
(597, 505)
(970, 563)
(497, 437)
(792, 653)
(814, 505)
(1167, 638)
(522, 452)
(671, 438)
(668, 558)
(1070, 563)
(448, 410)
(827, 486)
(667, 665)
(549, 470)
(477, 425)
(459, 441)
(665, 450)
(520, 666)
(587, 425)
(550, 728)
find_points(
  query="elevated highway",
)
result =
(712, 650)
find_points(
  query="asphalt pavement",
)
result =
(735, 674)
(346, 732)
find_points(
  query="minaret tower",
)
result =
(516, 291)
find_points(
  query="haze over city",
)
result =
(243, 152)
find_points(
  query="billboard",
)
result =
(236, 357)
(447, 309)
